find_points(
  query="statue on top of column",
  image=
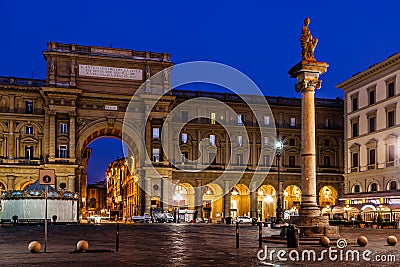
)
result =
(308, 43)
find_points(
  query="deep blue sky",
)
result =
(260, 38)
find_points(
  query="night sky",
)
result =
(260, 38)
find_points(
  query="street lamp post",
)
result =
(278, 154)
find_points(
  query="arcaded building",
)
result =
(48, 124)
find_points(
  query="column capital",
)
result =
(308, 85)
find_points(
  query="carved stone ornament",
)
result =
(312, 84)
(82, 122)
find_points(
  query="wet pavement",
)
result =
(177, 245)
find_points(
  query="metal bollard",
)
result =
(260, 234)
(237, 234)
(117, 238)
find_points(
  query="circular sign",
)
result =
(46, 179)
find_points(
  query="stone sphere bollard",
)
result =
(324, 241)
(34, 247)
(82, 245)
(362, 241)
(391, 240)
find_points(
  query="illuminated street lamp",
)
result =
(278, 154)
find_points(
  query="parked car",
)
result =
(163, 217)
(145, 218)
(243, 219)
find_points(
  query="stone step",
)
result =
(277, 239)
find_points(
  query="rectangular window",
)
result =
(354, 159)
(327, 161)
(354, 103)
(266, 140)
(212, 140)
(185, 116)
(292, 161)
(292, 142)
(185, 156)
(63, 151)
(29, 152)
(371, 96)
(390, 89)
(184, 138)
(371, 124)
(390, 118)
(328, 123)
(354, 128)
(239, 158)
(212, 117)
(156, 132)
(266, 121)
(371, 157)
(240, 140)
(212, 158)
(28, 107)
(29, 129)
(391, 153)
(240, 119)
(63, 128)
(156, 154)
(267, 161)
(292, 122)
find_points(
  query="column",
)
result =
(307, 74)
(309, 195)
(52, 134)
(198, 198)
(227, 205)
(253, 204)
(72, 136)
(227, 200)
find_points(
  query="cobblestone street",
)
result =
(162, 245)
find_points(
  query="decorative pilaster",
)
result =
(52, 134)
(72, 121)
(11, 182)
(11, 140)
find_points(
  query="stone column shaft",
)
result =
(308, 148)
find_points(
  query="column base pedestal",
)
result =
(315, 226)
(312, 224)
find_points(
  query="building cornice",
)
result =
(373, 70)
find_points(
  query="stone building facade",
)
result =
(49, 125)
(372, 132)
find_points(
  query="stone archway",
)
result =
(328, 196)
(292, 199)
(266, 202)
(98, 129)
(213, 202)
(240, 201)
